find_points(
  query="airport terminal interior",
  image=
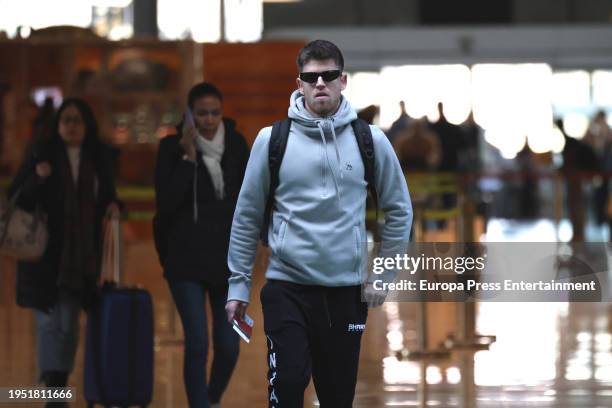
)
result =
(500, 113)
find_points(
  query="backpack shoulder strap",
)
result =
(363, 134)
(276, 151)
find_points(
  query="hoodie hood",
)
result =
(323, 128)
(309, 125)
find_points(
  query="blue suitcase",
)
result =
(119, 337)
(119, 349)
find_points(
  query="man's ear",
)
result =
(300, 85)
(344, 80)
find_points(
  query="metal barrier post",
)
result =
(557, 203)
(423, 187)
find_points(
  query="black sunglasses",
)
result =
(312, 77)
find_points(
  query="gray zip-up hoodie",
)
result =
(317, 230)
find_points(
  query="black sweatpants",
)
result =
(312, 330)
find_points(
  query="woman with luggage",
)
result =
(198, 176)
(69, 177)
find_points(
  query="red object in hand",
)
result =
(244, 327)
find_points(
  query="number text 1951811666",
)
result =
(31, 394)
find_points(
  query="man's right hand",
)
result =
(235, 309)
(187, 141)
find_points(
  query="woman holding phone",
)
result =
(198, 176)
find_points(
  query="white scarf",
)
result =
(212, 152)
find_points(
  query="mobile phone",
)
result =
(189, 117)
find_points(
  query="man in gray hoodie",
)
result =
(313, 311)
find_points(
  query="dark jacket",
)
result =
(197, 250)
(37, 281)
(451, 143)
(578, 156)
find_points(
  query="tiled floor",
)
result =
(546, 355)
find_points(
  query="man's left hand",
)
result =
(373, 297)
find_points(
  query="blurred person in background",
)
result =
(399, 124)
(528, 200)
(469, 155)
(578, 158)
(450, 137)
(417, 147)
(43, 122)
(471, 161)
(418, 150)
(68, 175)
(599, 137)
(42, 125)
(369, 114)
(198, 176)
(451, 141)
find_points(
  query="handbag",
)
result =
(23, 234)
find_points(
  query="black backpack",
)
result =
(276, 151)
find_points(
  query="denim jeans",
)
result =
(57, 335)
(190, 299)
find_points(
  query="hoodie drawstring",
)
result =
(333, 130)
(322, 133)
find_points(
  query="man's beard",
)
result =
(326, 108)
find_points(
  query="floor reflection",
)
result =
(549, 355)
(545, 354)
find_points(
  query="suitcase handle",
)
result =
(112, 255)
